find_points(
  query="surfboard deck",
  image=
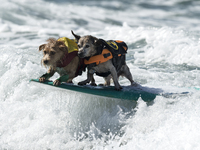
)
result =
(132, 93)
(127, 93)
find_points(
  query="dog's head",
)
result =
(87, 45)
(53, 51)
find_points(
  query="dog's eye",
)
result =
(79, 46)
(86, 46)
(52, 53)
(45, 52)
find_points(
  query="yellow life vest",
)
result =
(72, 52)
(71, 44)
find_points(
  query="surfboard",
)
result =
(132, 93)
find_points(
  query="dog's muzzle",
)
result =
(81, 54)
(45, 62)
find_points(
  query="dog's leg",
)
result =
(64, 78)
(107, 80)
(89, 78)
(47, 75)
(115, 78)
(127, 74)
(93, 81)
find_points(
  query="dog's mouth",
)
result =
(81, 55)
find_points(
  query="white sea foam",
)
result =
(163, 53)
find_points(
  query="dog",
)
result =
(106, 59)
(61, 56)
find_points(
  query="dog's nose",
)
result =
(45, 61)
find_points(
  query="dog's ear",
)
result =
(98, 42)
(61, 45)
(77, 37)
(41, 47)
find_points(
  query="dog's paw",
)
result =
(42, 79)
(118, 88)
(134, 84)
(70, 82)
(93, 84)
(56, 83)
(81, 83)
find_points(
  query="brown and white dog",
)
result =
(90, 47)
(57, 58)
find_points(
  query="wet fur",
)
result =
(53, 52)
(88, 46)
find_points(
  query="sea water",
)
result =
(164, 52)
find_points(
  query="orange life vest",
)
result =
(101, 58)
(114, 50)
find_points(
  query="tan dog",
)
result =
(110, 64)
(58, 59)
